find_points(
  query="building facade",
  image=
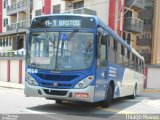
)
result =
(155, 52)
(134, 20)
(144, 40)
(16, 16)
(133, 25)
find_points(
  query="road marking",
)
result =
(153, 103)
(45, 114)
(37, 112)
(116, 110)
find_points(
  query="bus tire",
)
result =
(133, 96)
(108, 97)
(58, 102)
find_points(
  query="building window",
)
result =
(128, 13)
(145, 51)
(56, 8)
(7, 41)
(129, 38)
(5, 22)
(5, 4)
(38, 12)
(4, 42)
(124, 36)
(0, 42)
(10, 42)
(79, 4)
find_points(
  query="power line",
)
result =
(127, 9)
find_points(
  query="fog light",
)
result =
(81, 95)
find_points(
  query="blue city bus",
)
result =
(72, 57)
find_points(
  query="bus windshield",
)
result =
(61, 50)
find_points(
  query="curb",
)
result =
(151, 90)
(11, 85)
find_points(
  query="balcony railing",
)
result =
(82, 11)
(133, 25)
(144, 42)
(16, 7)
(16, 53)
(137, 6)
(14, 26)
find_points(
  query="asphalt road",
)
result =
(13, 102)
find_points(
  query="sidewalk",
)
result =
(11, 85)
(151, 90)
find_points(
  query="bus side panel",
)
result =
(128, 82)
(112, 72)
(116, 74)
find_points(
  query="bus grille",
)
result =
(57, 77)
(55, 92)
(59, 85)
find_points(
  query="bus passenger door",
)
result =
(101, 74)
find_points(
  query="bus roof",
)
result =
(100, 22)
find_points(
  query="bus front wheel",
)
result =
(108, 97)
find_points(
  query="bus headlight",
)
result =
(31, 80)
(84, 83)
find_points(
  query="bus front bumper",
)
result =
(85, 95)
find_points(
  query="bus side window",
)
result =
(111, 50)
(131, 61)
(136, 63)
(125, 58)
(102, 50)
(142, 66)
(119, 54)
(139, 65)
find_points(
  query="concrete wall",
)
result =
(12, 70)
(153, 80)
(100, 6)
(3, 70)
(155, 58)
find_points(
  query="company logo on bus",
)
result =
(55, 84)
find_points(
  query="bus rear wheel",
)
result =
(133, 96)
(108, 97)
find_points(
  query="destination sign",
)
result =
(63, 22)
